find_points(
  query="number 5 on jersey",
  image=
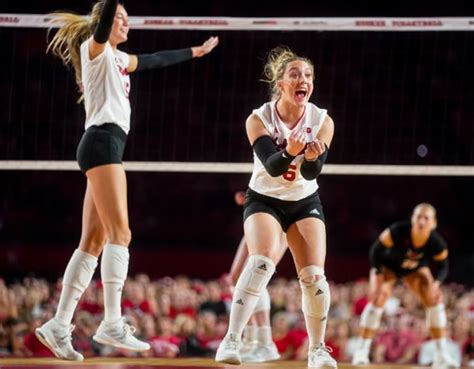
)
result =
(290, 175)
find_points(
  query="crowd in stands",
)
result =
(183, 317)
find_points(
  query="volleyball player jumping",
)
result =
(290, 138)
(405, 250)
(102, 74)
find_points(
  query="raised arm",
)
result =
(104, 27)
(165, 58)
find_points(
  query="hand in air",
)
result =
(205, 48)
(314, 149)
(296, 142)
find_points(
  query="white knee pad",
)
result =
(256, 274)
(79, 270)
(371, 317)
(114, 264)
(263, 303)
(436, 316)
(315, 294)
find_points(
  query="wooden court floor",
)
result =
(125, 363)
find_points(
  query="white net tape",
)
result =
(209, 167)
(268, 24)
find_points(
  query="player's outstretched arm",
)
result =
(166, 58)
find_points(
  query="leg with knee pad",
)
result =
(371, 317)
(315, 302)
(436, 316)
(263, 303)
(315, 293)
(256, 274)
(252, 281)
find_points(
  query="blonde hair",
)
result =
(426, 205)
(275, 67)
(73, 31)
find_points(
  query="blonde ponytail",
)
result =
(73, 31)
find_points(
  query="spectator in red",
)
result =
(280, 335)
(181, 303)
(214, 301)
(398, 344)
(206, 330)
(135, 300)
(163, 342)
(92, 300)
(298, 337)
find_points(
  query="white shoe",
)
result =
(361, 357)
(119, 334)
(320, 357)
(57, 338)
(228, 350)
(442, 360)
(248, 346)
(261, 354)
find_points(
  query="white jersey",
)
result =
(106, 87)
(291, 186)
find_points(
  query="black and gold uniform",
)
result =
(404, 258)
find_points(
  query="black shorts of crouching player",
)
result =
(285, 212)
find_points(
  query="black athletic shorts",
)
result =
(399, 271)
(285, 212)
(101, 145)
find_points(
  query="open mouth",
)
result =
(301, 93)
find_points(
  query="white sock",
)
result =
(364, 343)
(243, 304)
(250, 333)
(441, 344)
(265, 335)
(114, 270)
(76, 279)
(316, 329)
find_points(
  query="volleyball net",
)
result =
(399, 91)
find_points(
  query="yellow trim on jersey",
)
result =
(441, 256)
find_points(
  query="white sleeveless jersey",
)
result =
(106, 86)
(291, 186)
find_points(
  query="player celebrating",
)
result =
(290, 137)
(405, 250)
(102, 74)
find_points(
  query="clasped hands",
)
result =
(297, 144)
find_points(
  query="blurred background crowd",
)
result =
(183, 317)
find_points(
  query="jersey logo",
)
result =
(315, 211)
(123, 71)
(240, 302)
(414, 255)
